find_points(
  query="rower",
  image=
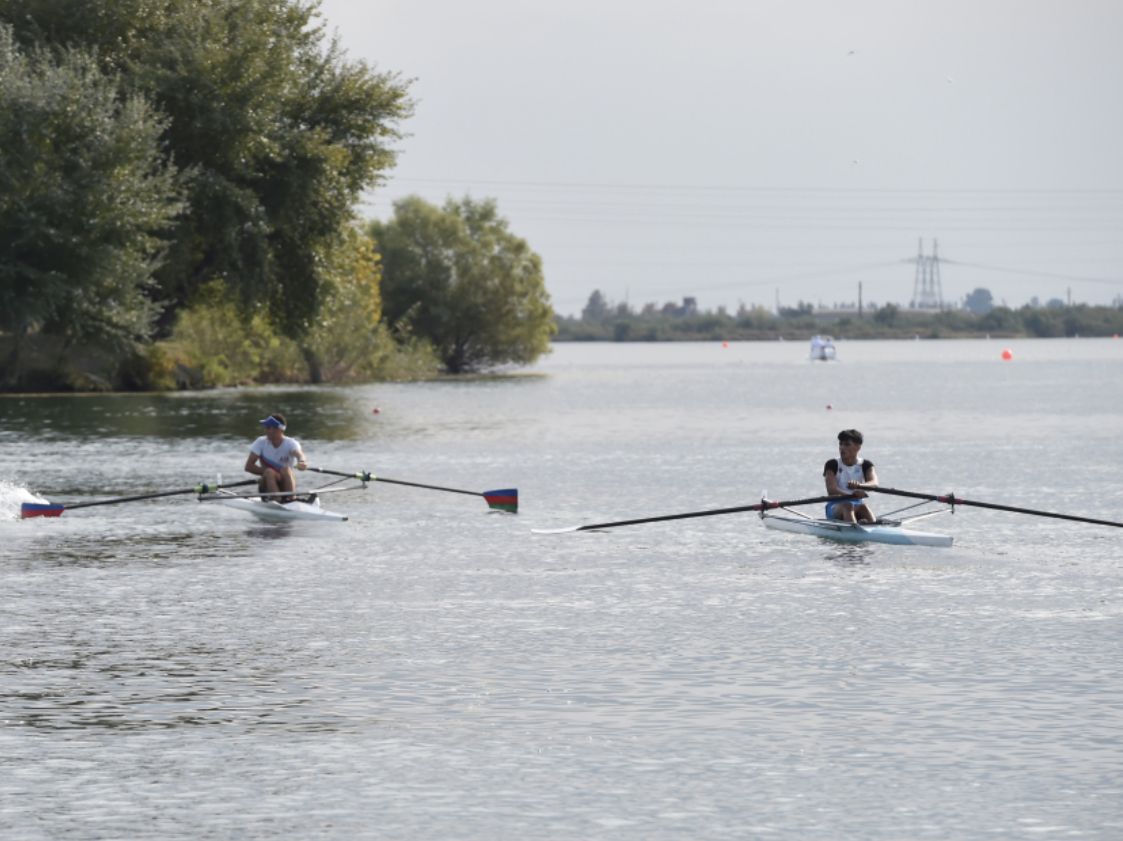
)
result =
(847, 476)
(272, 457)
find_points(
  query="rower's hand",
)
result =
(858, 488)
(302, 465)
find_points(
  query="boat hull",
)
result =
(857, 533)
(282, 512)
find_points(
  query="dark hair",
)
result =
(850, 435)
(278, 416)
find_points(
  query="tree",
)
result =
(887, 315)
(979, 302)
(458, 277)
(348, 341)
(596, 308)
(276, 131)
(84, 198)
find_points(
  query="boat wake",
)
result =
(12, 497)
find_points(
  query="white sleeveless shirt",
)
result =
(846, 474)
(853, 473)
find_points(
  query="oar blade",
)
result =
(503, 500)
(40, 509)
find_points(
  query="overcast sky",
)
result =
(761, 150)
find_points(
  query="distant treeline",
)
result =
(671, 323)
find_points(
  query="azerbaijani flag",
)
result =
(504, 500)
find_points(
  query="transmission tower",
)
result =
(926, 291)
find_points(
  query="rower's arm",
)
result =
(301, 460)
(832, 484)
(871, 478)
(252, 465)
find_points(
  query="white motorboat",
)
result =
(822, 349)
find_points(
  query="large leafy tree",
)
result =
(84, 197)
(458, 277)
(275, 129)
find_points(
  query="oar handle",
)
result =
(952, 499)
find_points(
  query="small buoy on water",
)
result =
(376, 411)
(726, 344)
(829, 407)
(1007, 354)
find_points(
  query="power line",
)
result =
(726, 188)
(1075, 278)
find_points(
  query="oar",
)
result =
(952, 499)
(55, 509)
(764, 505)
(501, 500)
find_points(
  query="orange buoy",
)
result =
(1007, 354)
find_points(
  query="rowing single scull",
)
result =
(883, 531)
(280, 506)
(889, 529)
(283, 509)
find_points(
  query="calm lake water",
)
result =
(173, 670)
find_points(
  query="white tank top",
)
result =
(854, 473)
(846, 475)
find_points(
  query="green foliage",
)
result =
(275, 130)
(999, 320)
(213, 343)
(349, 343)
(84, 197)
(459, 278)
(887, 315)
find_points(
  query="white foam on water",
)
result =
(12, 497)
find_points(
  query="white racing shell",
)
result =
(857, 532)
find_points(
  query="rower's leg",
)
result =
(286, 483)
(271, 479)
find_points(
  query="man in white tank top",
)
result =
(849, 476)
(272, 457)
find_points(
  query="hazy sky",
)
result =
(749, 150)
